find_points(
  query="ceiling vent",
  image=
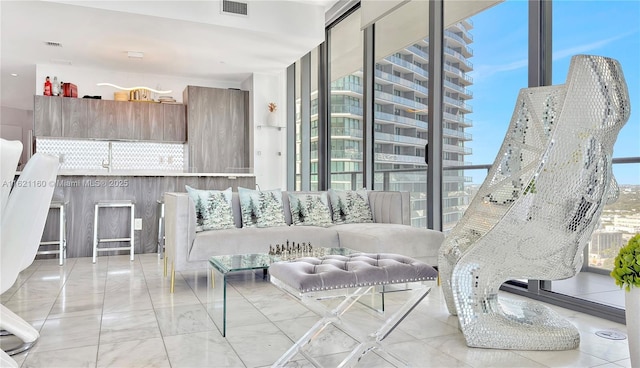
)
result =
(53, 44)
(234, 7)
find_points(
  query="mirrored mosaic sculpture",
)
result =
(536, 210)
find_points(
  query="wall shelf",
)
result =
(260, 126)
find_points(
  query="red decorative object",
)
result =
(69, 90)
(47, 87)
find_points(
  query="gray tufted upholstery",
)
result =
(355, 270)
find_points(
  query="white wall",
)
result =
(269, 143)
(16, 124)
(86, 79)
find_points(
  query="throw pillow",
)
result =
(261, 208)
(213, 208)
(350, 206)
(310, 209)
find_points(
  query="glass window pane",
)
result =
(345, 118)
(481, 86)
(298, 118)
(314, 119)
(400, 114)
(585, 27)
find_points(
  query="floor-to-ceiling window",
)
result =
(314, 142)
(492, 77)
(606, 28)
(345, 104)
(400, 109)
(297, 100)
(486, 63)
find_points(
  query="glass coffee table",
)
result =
(222, 266)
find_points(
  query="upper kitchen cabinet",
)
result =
(74, 118)
(101, 119)
(174, 127)
(153, 127)
(217, 127)
(47, 116)
(107, 119)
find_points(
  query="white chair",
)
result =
(27, 209)
(10, 152)
(536, 210)
(7, 361)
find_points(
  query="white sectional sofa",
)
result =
(389, 233)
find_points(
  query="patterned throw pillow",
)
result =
(350, 206)
(261, 208)
(310, 209)
(213, 208)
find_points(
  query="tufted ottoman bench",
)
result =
(349, 277)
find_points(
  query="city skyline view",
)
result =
(500, 68)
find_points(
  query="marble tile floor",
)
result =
(118, 313)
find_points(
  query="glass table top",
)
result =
(256, 261)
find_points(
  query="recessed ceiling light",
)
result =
(135, 54)
(14, 74)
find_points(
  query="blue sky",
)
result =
(608, 28)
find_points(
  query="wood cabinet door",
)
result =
(216, 123)
(174, 128)
(101, 119)
(47, 116)
(128, 116)
(152, 127)
(74, 117)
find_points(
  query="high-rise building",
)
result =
(401, 127)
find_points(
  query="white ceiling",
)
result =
(178, 38)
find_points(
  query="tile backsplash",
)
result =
(78, 154)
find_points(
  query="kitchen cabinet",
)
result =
(47, 116)
(101, 119)
(217, 129)
(128, 116)
(74, 118)
(152, 127)
(174, 127)
(107, 119)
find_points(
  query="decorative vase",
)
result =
(632, 312)
(271, 119)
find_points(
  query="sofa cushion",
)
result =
(213, 208)
(310, 209)
(350, 206)
(261, 208)
(257, 240)
(419, 243)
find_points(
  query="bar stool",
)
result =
(62, 233)
(161, 227)
(96, 238)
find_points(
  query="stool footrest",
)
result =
(114, 240)
(51, 242)
(112, 248)
(48, 252)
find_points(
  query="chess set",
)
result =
(291, 251)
